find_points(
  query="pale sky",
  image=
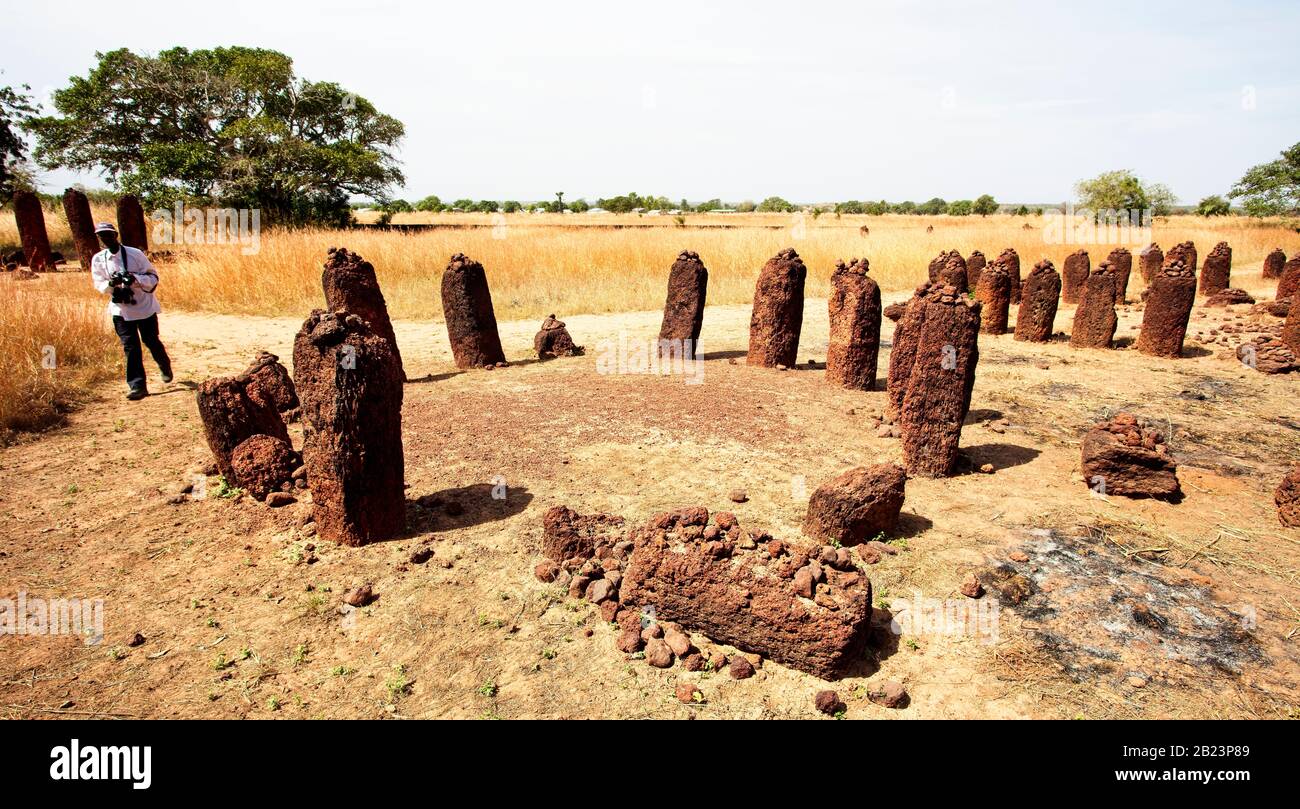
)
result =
(809, 101)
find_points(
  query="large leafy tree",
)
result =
(15, 109)
(1123, 191)
(985, 205)
(1271, 189)
(233, 126)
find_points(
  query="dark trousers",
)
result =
(132, 333)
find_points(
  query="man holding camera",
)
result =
(127, 276)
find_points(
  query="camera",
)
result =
(121, 282)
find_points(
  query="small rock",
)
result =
(629, 641)
(578, 586)
(136, 640)
(689, 694)
(421, 555)
(658, 654)
(829, 703)
(678, 642)
(1018, 556)
(546, 571)
(360, 596)
(599, 590)
(971, 587)
(888, 694)
(741, 669)
(987, 468)
(738, 496)
(279, 499)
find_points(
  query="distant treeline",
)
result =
(636, 203)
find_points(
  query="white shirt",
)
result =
(105, 263)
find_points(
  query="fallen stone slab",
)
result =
(748, 598)
(1122, 457)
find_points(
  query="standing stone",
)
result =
(1169, 303)
(230, 416)
(1291, 328)
(350, 382)
(31, 231)
(688, 282)
(949, 268)
(953, 272)
(351, 286)
(777, 317)
(1010, 259)
(1121, 261)
(1288, 284)
(1150, 260)
(854, 346)
(467, 308)
(974, 266)
(1183, 251)
(1287, 499)
(130, 223)
(1217, 272)
(1095, 320)
(1074, 276)
(553, 340)
(268, 382)
(994, 292)
(902, 354)
(1273, 263)
(1038, 302)
(82, 224)
(940, 381)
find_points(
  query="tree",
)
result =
(486, 206)
(1213, 205)
(463, 205)
(775, 205)
(905, 207)
(1271, 189)
(932, 207)
(15, 110)
(1122, 191)
(579, 206)
(851, 206)
(710, 205)
(510, 206)
(395, 206)
(1161, 199)
(1022, 211)
(960, 207)
(430, 204)
(747, 206)
(985, 205)
(232, 126)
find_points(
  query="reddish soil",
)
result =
(242, 607)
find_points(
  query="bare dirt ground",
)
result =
(1137, 608)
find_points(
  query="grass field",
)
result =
(536, 265)
(583, 264)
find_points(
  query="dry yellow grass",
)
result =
(38, 329)
(536, 265)
(572, 264)
(539, 264)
